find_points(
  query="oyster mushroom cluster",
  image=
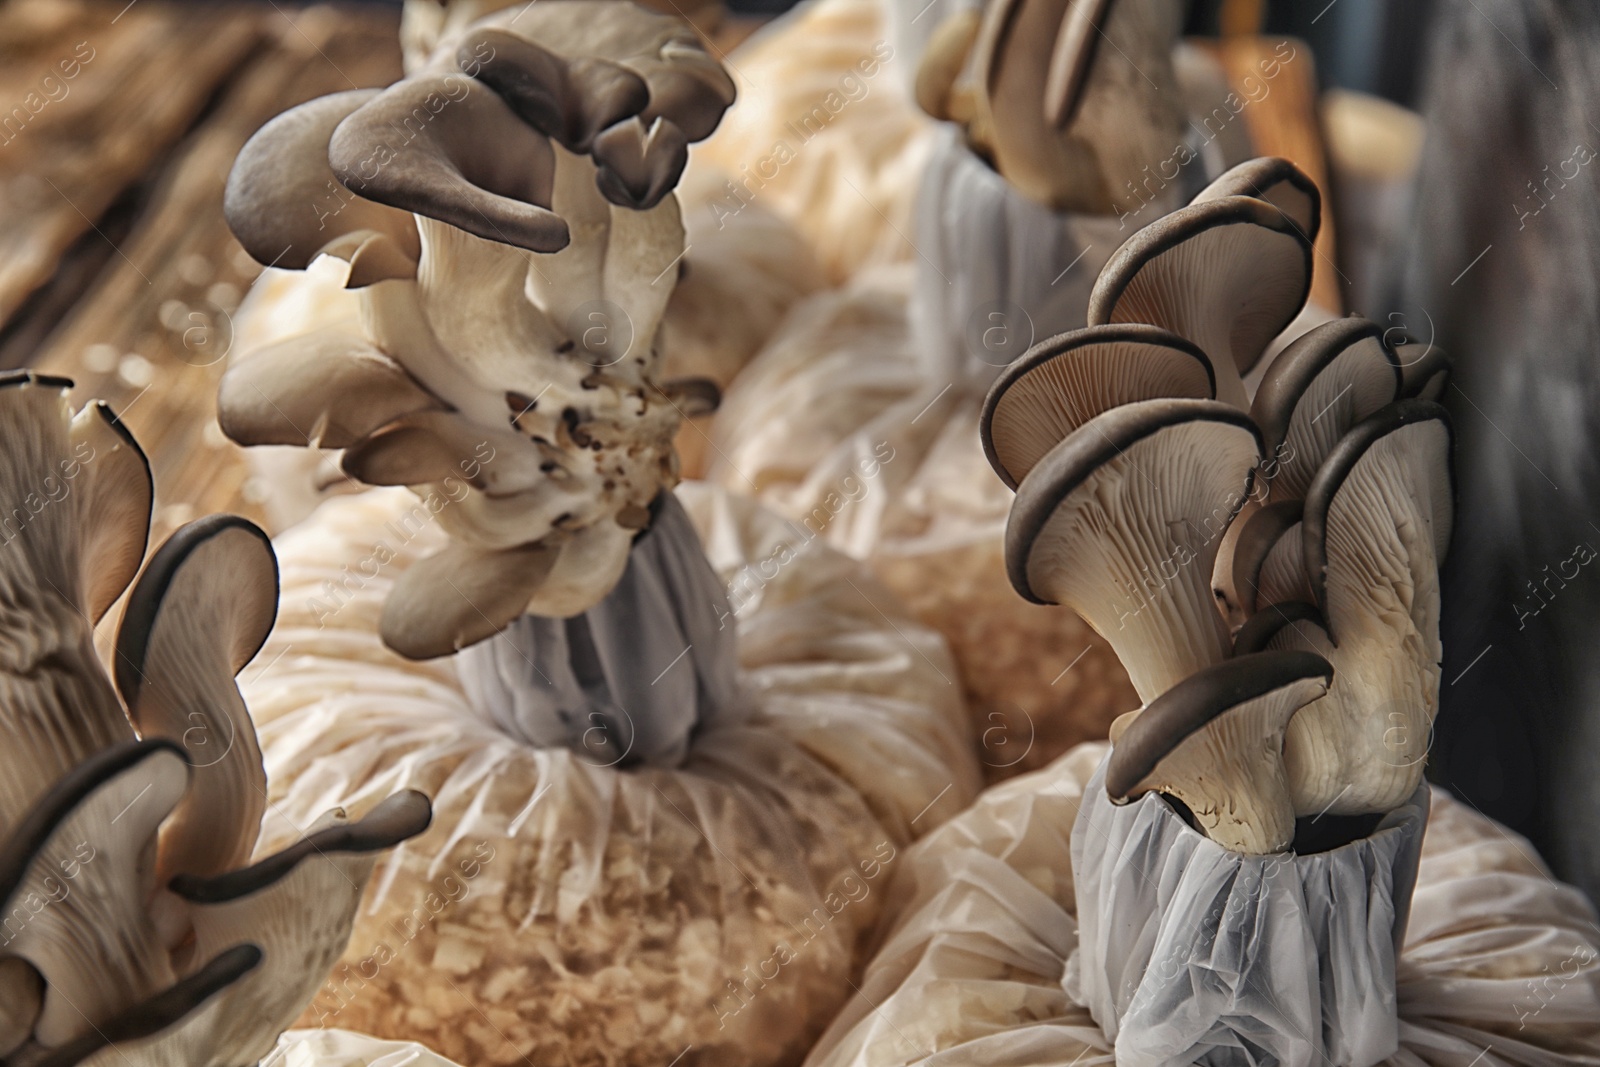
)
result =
(136, 928)
(1305, 679)
(507, 218)
(1070, 100)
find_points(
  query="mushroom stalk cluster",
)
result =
(1143, 469)
(507, 217)
(137, 930)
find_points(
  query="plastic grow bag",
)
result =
(1500, 964)
(564, 910)
(342, 1048)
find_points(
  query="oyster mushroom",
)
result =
(1229, 274)
(1121, 522)
(1327, 380)
(1424, 369)
(1071, 100)
(1061, 383)
(1276, 181)
(103, 960)
(1216, 742)
(1376, 525)
(511, 379)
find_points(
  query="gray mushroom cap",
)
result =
(1276, 181)
(1215, 741)
(1327, 380)
(1229, 274)
(1062, 382)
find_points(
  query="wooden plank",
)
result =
(152, 335)
(91, 103)
(1284, 122)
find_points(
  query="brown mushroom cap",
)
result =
(1327, 380)
(1276, 181)
(1229, 274)
(200, 611)
(286, 207)
(1424, 369)
(1062, 382)
(1215, 741)
(1076, 45)
(1122, 521)
(448, 147)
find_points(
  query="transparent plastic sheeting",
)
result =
(1500, 966)
(1191, 954)
(564, 908)
(584, 683)
(341, 1048)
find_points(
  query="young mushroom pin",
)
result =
(1215, 742)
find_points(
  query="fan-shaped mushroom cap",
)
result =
(1121, 522)
(1376, 524)
(1228, 274)
(1215, 741)
(199, 613)
(1276, 181)
(93, 942)
(593, 52)
(1268, 565)
(286, 206)
(1061, 383)
(327, 389)
(74, 512)
(1285, 626)
(448, 147)
(1326, 381)
(21, 999)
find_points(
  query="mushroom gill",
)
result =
(113, 809)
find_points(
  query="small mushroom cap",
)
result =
(160, 1012)
(1269, 628)
(285, 206)
(114, 504)
(200, 611)
(462, 595)
(1267, 566)
(1216, 742)
(1390, 468)
(449, 148)
(1424, 370)
(1062, 382)
(327, 389)
(1194, 703)
(1327, 380)
(1276, 181)
(1229, 274)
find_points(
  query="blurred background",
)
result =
(1455, 137)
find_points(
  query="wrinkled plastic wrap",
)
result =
(563, 911)
(824, 135)
(895, 364)
(341, 1048)
(1500, 965)
(1189, 953)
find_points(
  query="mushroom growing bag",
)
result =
(980, 958)
(566, 907)
(859, 419)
